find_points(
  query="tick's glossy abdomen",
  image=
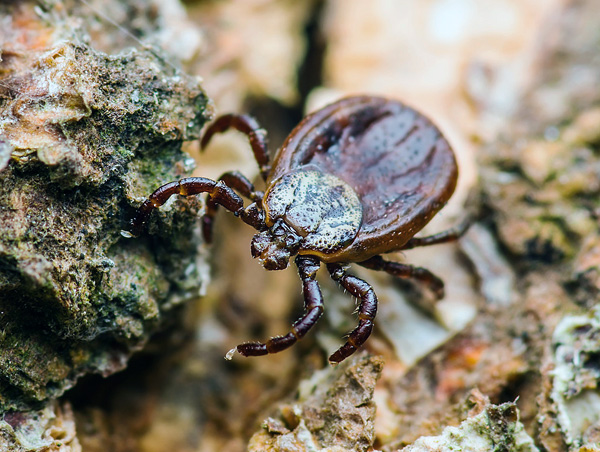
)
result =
(400, 166)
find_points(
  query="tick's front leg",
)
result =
(367, 309)
(249, 127)
(313, 306)
(218, 191)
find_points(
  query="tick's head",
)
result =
(311, 211)
(274, 247)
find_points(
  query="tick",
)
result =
(354, 180)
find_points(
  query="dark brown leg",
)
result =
(236, 181)
(367, 309)
(248, 126)
(435, 284)
(313, 306)
(443, 237)
(218, 191)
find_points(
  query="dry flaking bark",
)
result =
(334, 412)
(84, 137)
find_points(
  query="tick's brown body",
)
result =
(353, 180)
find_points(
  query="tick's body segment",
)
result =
(353, 180)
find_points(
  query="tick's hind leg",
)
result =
(248, 126)
(313, 305)
(367, 309)
(236, 181)
(435, 284)
(449, 235)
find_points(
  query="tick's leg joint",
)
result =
(233, 180)
(367, 309)
(255, 217)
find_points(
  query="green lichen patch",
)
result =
(576, 377)
(497, 428)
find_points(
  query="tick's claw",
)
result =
(341, 354)
(230, 353)
(438, 291)
(436, 286)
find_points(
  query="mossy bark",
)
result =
(86, 137)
